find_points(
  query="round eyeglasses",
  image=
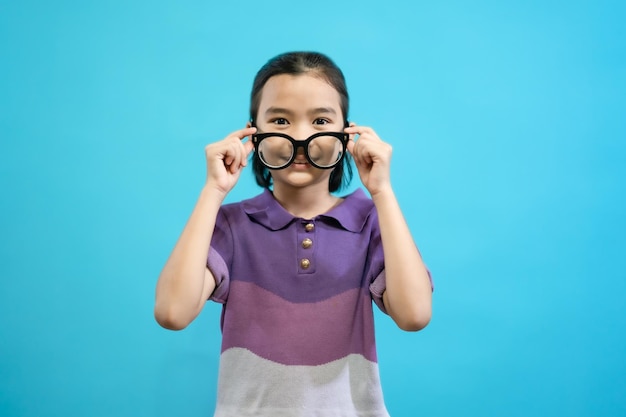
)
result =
(323, 150)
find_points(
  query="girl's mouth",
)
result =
(300, 164)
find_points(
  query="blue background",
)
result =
(508, 126)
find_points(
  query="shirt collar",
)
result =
(351, 214)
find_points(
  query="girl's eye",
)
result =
(321, 121)
(280, 121)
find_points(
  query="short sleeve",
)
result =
(375, 268)
(377, 288)
(220, 257)
(379, 285)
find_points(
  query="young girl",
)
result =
(297, 267)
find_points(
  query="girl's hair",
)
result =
(297, 63)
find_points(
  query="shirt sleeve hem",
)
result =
(377, 289)
(218, 268)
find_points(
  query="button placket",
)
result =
(306, 239)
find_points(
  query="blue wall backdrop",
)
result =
(509, 133)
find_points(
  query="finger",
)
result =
(244, 157)
(351, 136)
(363, 133)
(244, 151)
(355, 150)
(238, 157)
(353, 128)
(366, 150)
(229, 158)
(229, 153)
(248, 147)
(350, 146)
(237, 152)
(243, 133)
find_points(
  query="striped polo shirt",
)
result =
(297, 319)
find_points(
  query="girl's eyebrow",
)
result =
(323, 110)
(317, 110)
(278, 110)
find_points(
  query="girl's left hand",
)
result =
(372, 157)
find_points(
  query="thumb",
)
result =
(350, 145)
(248, 146)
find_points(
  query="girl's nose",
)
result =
(300, 151)
(301, 132)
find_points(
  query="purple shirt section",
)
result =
(300, 334)
(260, 242)
(291, 312)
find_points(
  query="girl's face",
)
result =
(299, 106)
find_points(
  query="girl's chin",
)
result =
(299, 176)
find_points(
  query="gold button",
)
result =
(305, 263)
(307, 243)
(309, 227)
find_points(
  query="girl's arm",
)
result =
(185, 283)
(408, 296)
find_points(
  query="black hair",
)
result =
(296, 63)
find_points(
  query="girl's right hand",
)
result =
(226, 158)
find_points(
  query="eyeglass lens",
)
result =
(323, 151)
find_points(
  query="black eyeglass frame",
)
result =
(257, 138)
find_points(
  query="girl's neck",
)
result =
(306, 202)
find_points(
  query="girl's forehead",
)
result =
(298, 91)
